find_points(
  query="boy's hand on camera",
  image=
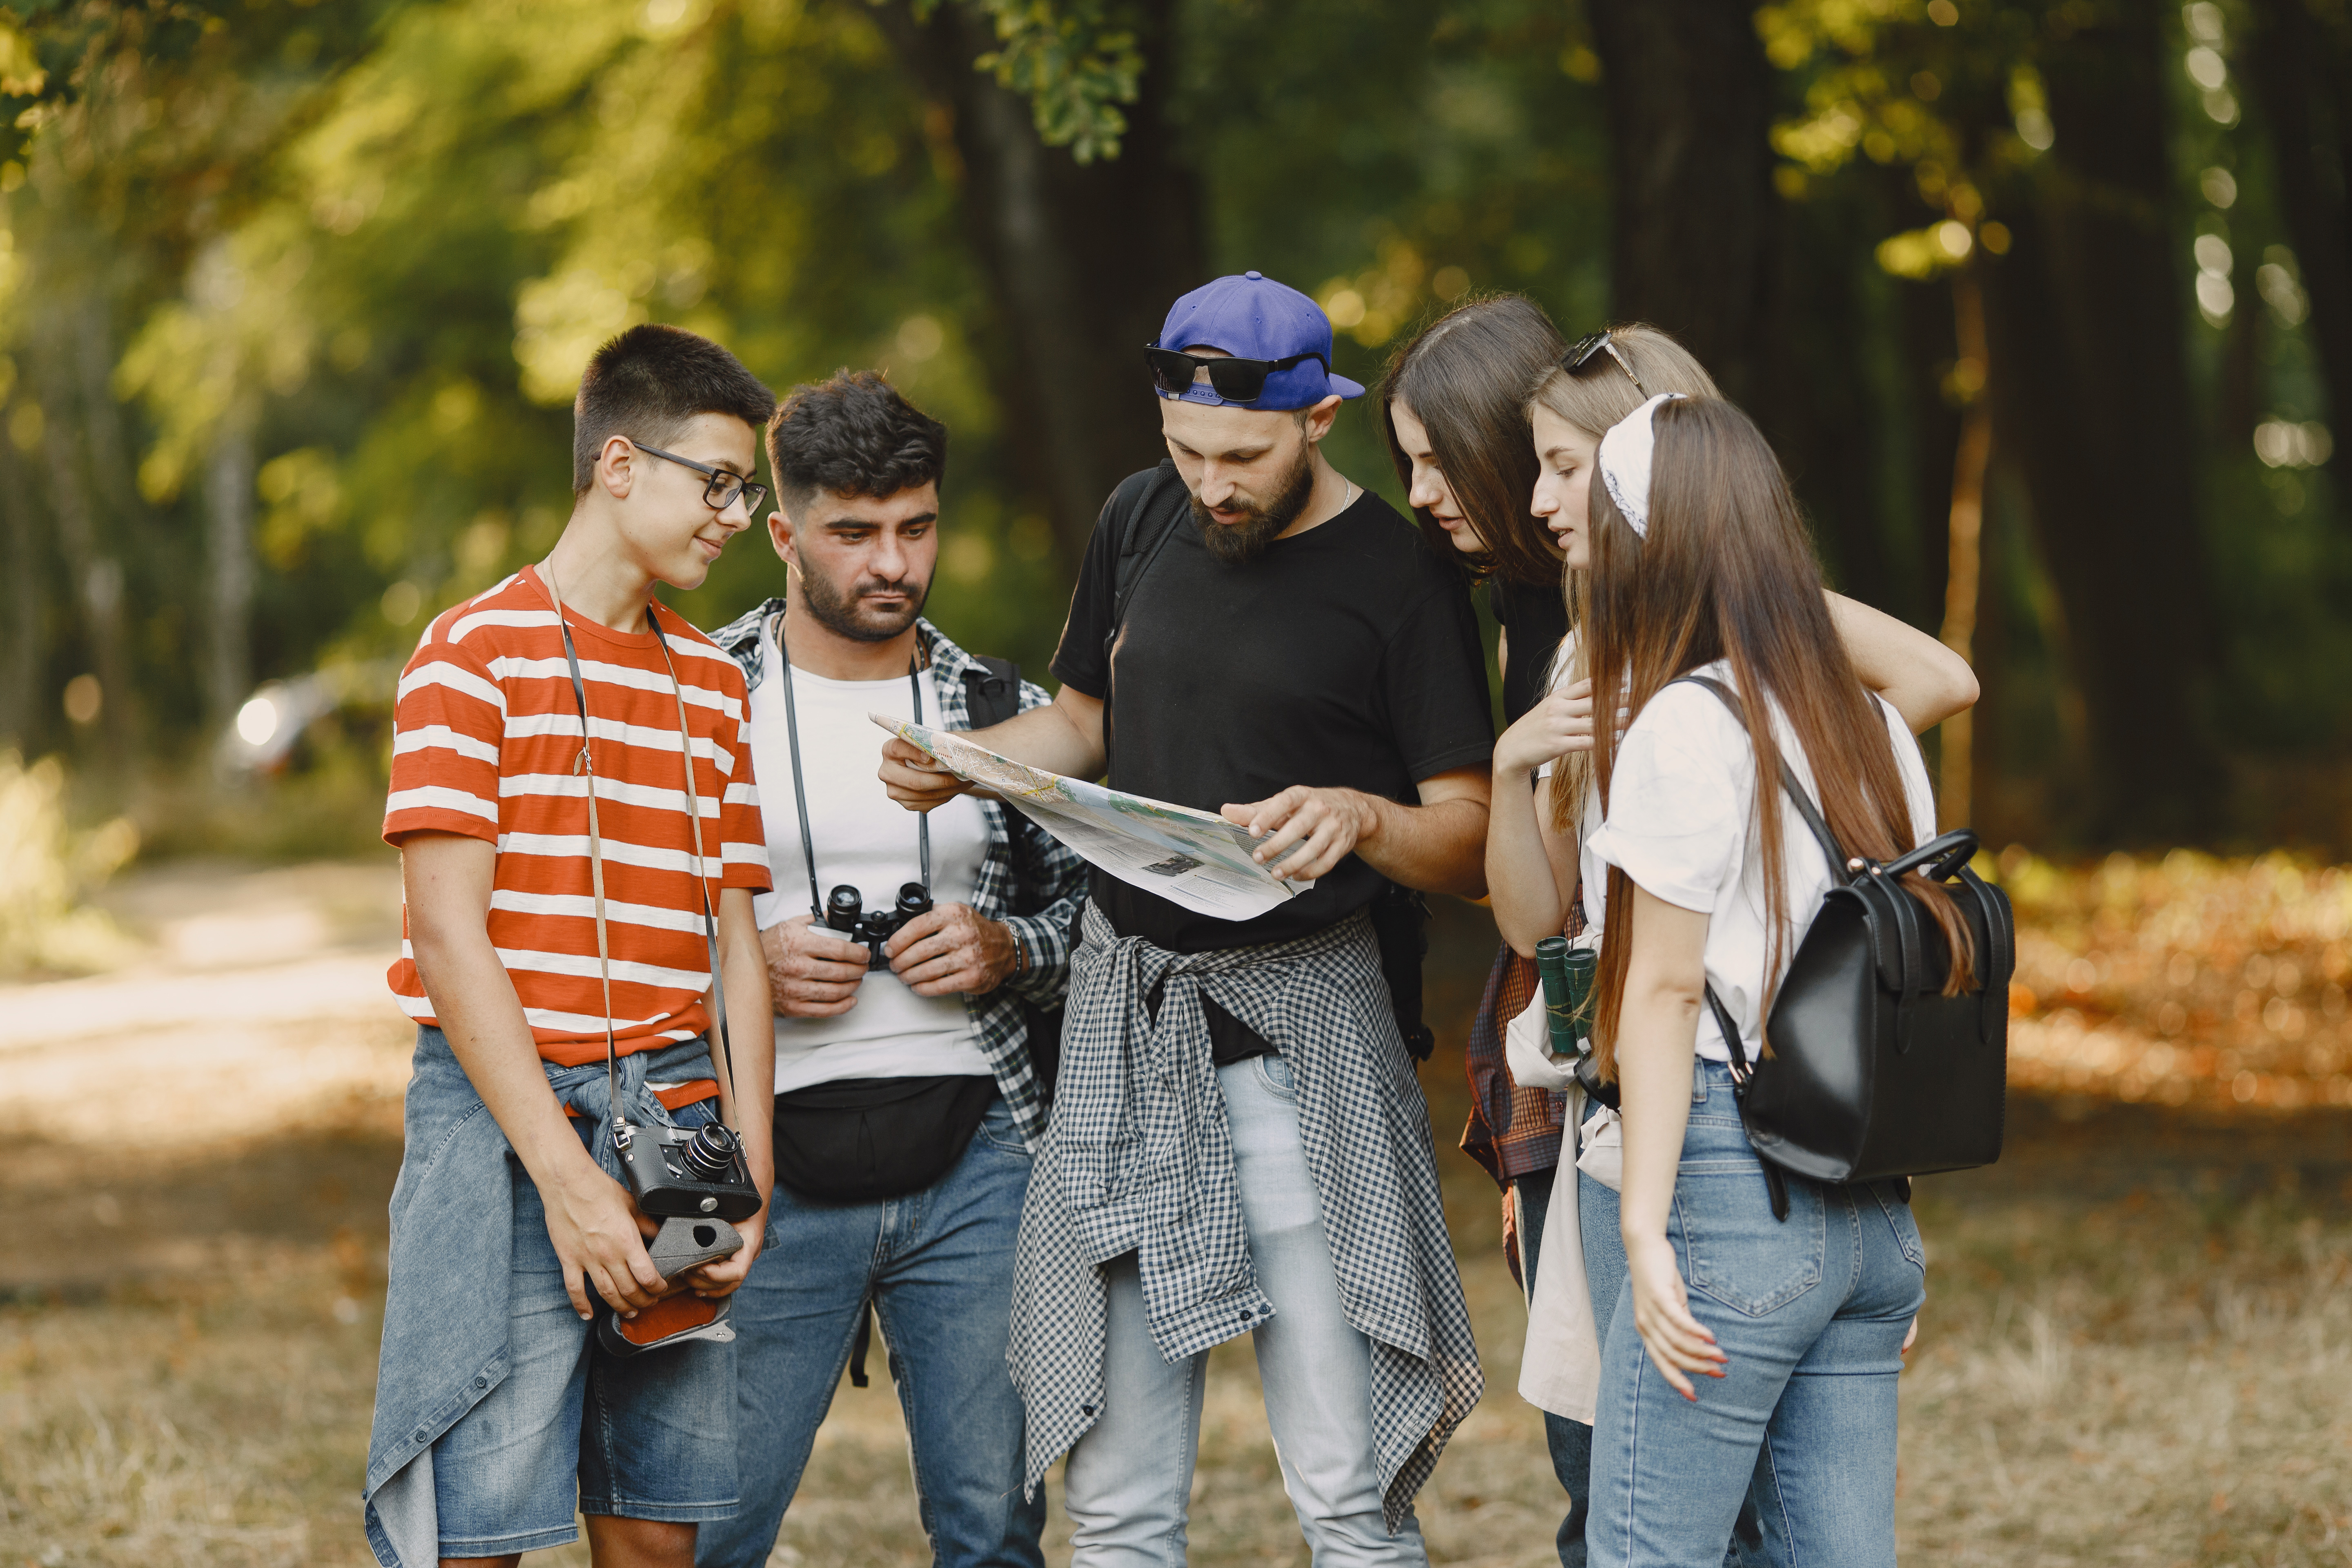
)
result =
(954, 951)
(726, 1275)
(594, 1229)
(1554, 727)
(812, 973)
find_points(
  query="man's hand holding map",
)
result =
(1189, 857)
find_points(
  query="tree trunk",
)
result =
(1689, 97)
(2091, 396)
(1817, 407)
(97, 575)
(20, 724)
(110, 449)
(2303, 75)
(1081, 261)
(228, 507)
(1964, 535)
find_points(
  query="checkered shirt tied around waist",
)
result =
(1138, 1159)
(1029, 881)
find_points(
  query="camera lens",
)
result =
(710, 1153)
(913, 901)
(843, 907)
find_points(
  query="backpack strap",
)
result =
(1144, 510)
(1838, 862)
(991, 691)
(1143, 514)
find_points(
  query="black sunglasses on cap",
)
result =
(1585, 349)
(1234, 379)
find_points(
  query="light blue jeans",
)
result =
(938, 1265)
(1812, 1311)
(1129, 1482)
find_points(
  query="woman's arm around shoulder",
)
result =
(1922, 680)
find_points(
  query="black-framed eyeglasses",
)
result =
(720, 493)
(1234, 379)
(1587, 349)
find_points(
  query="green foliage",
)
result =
(1075, 61)
(377, 240)
(46, 871)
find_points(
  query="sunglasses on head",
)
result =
(1174, 371)
(1587, 349)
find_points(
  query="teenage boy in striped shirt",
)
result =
(497, 1407)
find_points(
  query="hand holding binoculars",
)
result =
(845, 912)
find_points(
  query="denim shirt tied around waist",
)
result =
(444, 1317)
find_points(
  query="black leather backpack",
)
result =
(1874, 1072)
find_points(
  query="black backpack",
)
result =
(1874, 1072)
(1145, 511)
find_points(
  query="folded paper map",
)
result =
(1189, 857)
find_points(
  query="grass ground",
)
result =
(2137, 1347)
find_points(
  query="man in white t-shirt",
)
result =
(913, 961)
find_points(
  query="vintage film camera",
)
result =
(695, 1183)
(845, 912)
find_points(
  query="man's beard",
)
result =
(1236, 543)
(838, 612)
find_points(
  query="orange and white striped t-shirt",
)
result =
(484, 737)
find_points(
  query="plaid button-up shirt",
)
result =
(1029, 881)
(1139, 1158)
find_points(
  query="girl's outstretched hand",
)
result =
(1554, 727)
(1677, 1343)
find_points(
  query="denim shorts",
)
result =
(651, 1436)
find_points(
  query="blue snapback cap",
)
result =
(1252, 317)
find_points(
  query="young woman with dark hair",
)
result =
(1459, 424)
(1700, 564)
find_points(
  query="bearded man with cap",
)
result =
(1238, 1143)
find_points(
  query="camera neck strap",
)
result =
(586, 766)
(800, 788)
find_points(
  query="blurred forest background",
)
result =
(2048, 307)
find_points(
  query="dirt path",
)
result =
(237, 1085)
(190, 1277)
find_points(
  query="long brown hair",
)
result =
(1465, 377)
(1592, 399)
(1726, 573)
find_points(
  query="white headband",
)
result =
(1626, 452)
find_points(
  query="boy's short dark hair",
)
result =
(647, 383)
(855, 436)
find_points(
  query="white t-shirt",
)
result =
(1681, 823)
(865, 838)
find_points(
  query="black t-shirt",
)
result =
(1536, 617)
(1348, 655)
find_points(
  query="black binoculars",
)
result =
(845, 912)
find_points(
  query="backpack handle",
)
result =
(1940, 858)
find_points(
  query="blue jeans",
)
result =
(1129, 1482)
(1568, 1442)
(938, 1265)
(1812, 1311)
(644, 1437)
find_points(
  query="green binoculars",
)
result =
(1566, 975)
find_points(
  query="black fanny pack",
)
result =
(862, 1139)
